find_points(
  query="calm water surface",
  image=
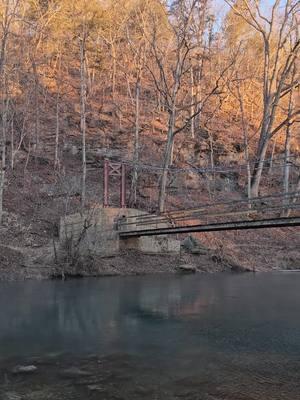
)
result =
(234, 337)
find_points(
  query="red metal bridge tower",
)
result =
(112, 169)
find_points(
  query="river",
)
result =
(194, 337)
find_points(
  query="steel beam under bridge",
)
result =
(215, 227)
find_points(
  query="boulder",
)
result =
(187, 269)
(193, 246)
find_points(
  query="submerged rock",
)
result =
(11, 396)
(96, 388)
(74, 372)
(24, 369)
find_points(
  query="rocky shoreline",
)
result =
(24, 255)
(39, 264)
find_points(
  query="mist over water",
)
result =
(204, 335)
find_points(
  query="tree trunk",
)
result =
(36, 105)
(261, 151)
(294, 200)
(272, 155)
(192, 110)
(3, 144)
(286, 173)
(167, 159)
(57, 129)
(136, 141)
(12, 144)
(246, 143)
(114, 72)
(258, 169)
(83, 94)
(287, 153)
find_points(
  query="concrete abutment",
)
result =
(96, 233)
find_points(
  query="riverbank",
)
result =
(39, 264)
(19, 264)
(27, 251)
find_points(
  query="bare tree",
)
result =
(57, 116)
(83, 97)
(8, 17)
(172, 61)
(280, 36)
(246, 139)
(169, 84)
(5, 108)
(288, 138)
(139, 52)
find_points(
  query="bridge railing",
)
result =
(254, 209)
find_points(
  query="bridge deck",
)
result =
(215, 227)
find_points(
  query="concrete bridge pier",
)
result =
(97, 233)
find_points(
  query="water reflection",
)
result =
(239, 333)
(130, 314)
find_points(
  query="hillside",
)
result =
(187, 103)
(36, 199)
